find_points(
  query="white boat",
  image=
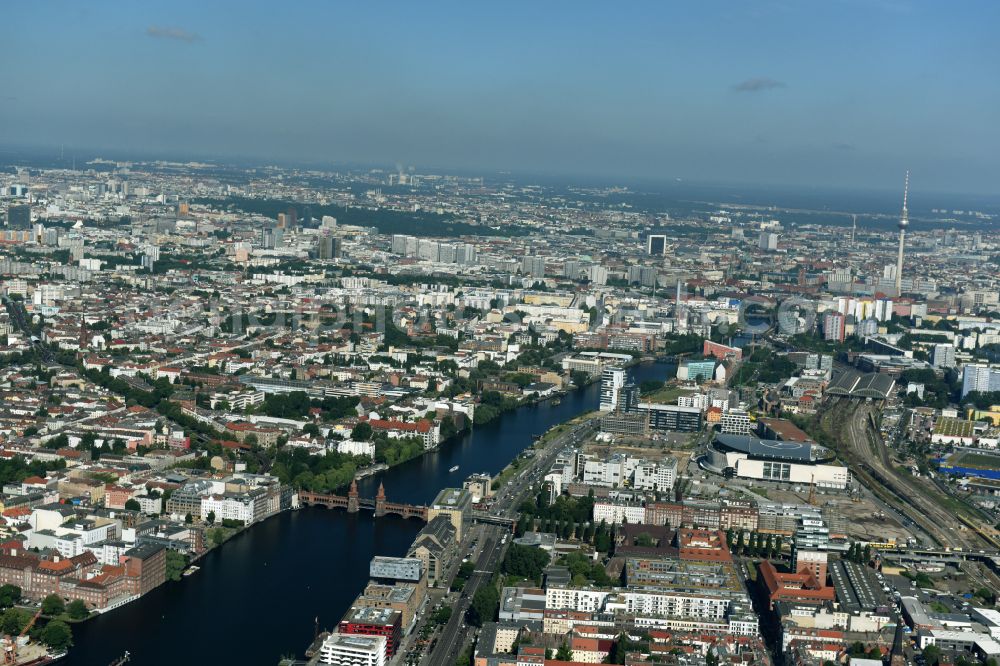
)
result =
(454, 469)
(190, 570)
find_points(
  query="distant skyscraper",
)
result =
(533, 266)
(944, 356)
(571, 269)
(904, 222)
(329, 246)
(597, 274)
(768, 240)
(19, 217)
(656, 245)
(834, 326)
(981, 378)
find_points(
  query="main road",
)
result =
(456, 632)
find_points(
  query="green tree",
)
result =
(362, 432)
(14, 620)
(57, 635)
(525, 561)
(217, 536)
(77, 610)
(9, 595)
(932, 655)
(210, 517)
(564, 653)
(133, 505)
(484, 605)
(53, 605)
(176, 562)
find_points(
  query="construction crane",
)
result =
(10, 654)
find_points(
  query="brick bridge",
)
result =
(354, 503)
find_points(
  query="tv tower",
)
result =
(904, 222)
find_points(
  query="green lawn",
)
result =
(667, 395)
(976, 460)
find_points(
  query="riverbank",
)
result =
(312, 563)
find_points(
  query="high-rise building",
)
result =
(399, 244)
(943, 356)
(656, 245)
(597, 274)
(267, 238)
(612, 383)
(465, 254)
(834, 326)
(980, 378)
(768, 240)
(428, 250)
(571, 269)
(329, 246)
(19, 217)
(533, 266)
(643, 275)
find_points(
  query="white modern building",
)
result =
(353, 650)
(978, 377)
(943, 356)
(736, 422)
(612, 382)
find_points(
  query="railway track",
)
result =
(868, 456)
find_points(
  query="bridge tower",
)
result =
(352, 497)
(380, 501)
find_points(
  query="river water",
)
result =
(256, 597)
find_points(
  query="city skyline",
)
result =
(717, 93)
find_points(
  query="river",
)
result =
(256, 597)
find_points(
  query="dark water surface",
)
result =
(256, 597)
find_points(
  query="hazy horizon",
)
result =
(845, 94)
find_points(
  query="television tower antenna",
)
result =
(904, 222)
(854, 228)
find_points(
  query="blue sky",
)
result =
(840, 93)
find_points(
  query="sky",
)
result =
(839, 93)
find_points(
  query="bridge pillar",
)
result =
(352, 497)
(380, 501)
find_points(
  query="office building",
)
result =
(353, 650)
(329, 246)
(456, 504)
(736, 422)
(768, 240)
(671, 418)
(612, 383)
(533, 266)
(368, 621)
(410, 569)
(656, 245)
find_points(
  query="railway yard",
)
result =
(943, 520)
